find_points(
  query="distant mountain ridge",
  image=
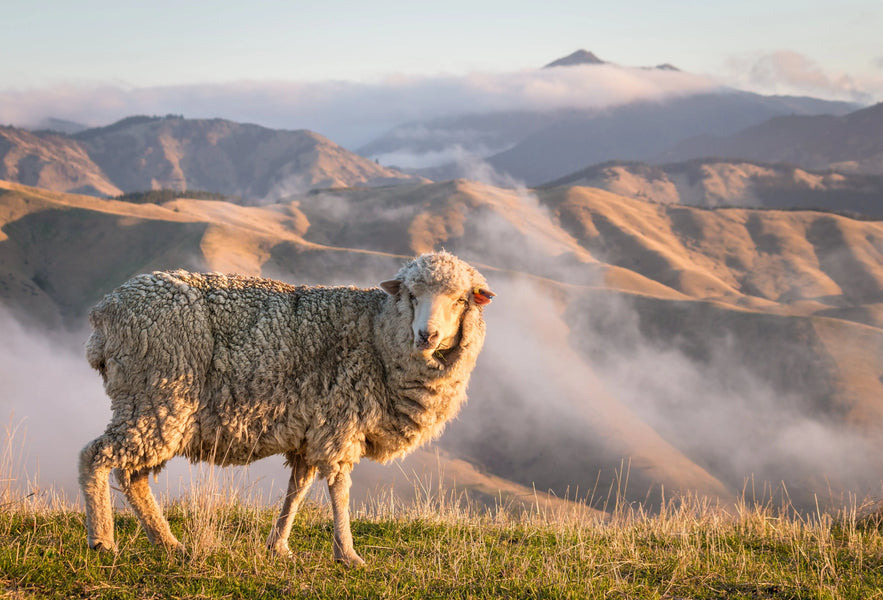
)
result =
(715, 182)
(143, 153)
(580, 57)
(850, 143)
(537, 147)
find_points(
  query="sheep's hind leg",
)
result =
(339, 488)
(96, 461)
(136, 487)
(302, 476)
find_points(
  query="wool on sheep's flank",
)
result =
(231, 369)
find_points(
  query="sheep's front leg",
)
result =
(302, 476)
(96, 461)
(136, 487)
(339, 488)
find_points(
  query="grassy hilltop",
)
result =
(437, 548)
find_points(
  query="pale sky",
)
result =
(54, 49)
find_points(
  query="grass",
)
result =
(442, 547)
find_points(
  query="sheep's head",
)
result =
(438, 289)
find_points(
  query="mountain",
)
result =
(51, 161)
(144, 153)
(638, 131)
(718, 182)
(61, 126)
(850, 143)
(536, 146)
(584, 57)
(539, 146)
(580, 57)
(632, 345)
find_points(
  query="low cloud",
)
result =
(788, 72)
(347, 112)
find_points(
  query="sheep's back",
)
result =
(282, 360)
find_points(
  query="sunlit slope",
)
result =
(712, 182)
(144, 153)
(51, 161)
(782, 261)
(761, 327)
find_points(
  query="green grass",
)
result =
(438, 549)
(438, 546)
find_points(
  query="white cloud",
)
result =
(788, 72)
(352, 113)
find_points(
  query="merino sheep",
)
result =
(231, 369)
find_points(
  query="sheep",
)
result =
(230, 369)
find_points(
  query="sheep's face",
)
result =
(436, 314)
(436, 323)
(436, 290)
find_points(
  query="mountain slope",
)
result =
(719, 182)
(687, 348)
(147, 153)
(636, 131)
(222, 156)
(851, 142)
(542, 145)
(51, 161)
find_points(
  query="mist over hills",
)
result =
(664, 321)
(144, 153)
(535, 147)
(692, 347)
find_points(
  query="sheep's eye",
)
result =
(412, 298)
(461, 301)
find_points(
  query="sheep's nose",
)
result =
(427, 338)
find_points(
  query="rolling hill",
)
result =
(711, 182)
(675, 347)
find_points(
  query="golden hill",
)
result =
(149, 153)
(682, 347)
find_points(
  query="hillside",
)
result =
(51, 161)
(712, 182)
(689, 348)
(851, 143)
(144, 153)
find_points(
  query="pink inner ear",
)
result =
(391, 286)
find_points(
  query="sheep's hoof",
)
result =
(350, 559)
(100, 546)
(280, 551)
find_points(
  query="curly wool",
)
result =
(231, 369)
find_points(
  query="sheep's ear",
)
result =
(482, 296)
(391, 286)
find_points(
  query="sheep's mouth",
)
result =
(424, 347)
(441, 354)
(437, 355)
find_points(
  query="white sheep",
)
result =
(231, 369)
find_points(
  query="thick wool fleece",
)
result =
(231, 369)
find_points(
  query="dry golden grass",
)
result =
(440, 545)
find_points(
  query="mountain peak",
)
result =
(580, 57)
